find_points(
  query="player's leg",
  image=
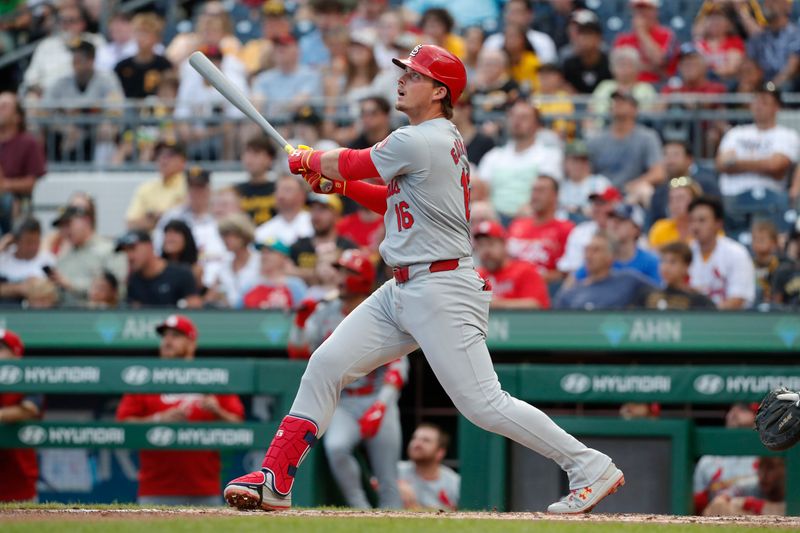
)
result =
(340, 440)
(367, 338)
(384, 451)
(448, 318)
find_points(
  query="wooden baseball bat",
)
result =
(234, 95)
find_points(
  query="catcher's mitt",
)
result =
(778, 419)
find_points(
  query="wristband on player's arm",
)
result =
(371, 196)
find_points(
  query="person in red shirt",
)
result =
(21, 465)
(179, 477)
(364, 227)
(654, 42)
(540, 239)
(515, 284)
(275, 288)
(718, 42)
(693, 72)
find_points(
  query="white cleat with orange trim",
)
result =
(583, 500)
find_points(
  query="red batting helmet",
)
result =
(359, 272)
(439, 64)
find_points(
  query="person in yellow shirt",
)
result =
(153, 197)
(682, 191)
(553, 100)
(523, 62)
(256, 54)
(437, 28)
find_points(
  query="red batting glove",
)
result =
(305, 310)
(315, 181)
(305, 159)
(370, 421)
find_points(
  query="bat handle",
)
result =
(325, 185)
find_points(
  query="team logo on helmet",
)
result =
(415, 51)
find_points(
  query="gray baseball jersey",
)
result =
(427, 204)
(439, 493)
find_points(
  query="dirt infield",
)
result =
(11, 514)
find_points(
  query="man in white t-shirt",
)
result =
(602, 205)
(424, 482)
(520, 12)
(579, 183)
(511, 169)
(292, 221)
(758, 156)
(721, 267)
(21, 257)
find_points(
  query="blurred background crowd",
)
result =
(624, 153)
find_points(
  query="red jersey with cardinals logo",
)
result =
(177, 473)
(540, 244)
(20, 465)
(268, 297)
(517, 280)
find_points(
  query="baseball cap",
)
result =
(273, 244)
(273, 8)
(238, 224)
(307, 115)
(329, 200)
(634, 213)
(69, 212)
(609, 194)
(585, 19)
(179, 323)
(82, 47)
(12, 340)
(130, 238)
(489, 228)
(577, 148)
(171, 144)
(198, 177)
(688, 49)
(624, 95)
(771, 89)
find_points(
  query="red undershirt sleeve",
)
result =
(371, 196)
(357, 165)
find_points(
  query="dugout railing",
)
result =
(484, 458)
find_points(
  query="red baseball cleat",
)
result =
(255, 491)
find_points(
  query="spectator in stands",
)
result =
(275, 287)
(718, 43)
(625, 227)
(308, 129)
(494, 89)
(179, 477)
(375, 122)
(523, 64)
(121, 45)
(767, 258)
(362, 77)
(520, 13)
(241, 267)
(693, 74)
(22, 257)
(87, 255)
(786, 284)
(214, 28)
(225, 202)
(258, 54)
(22, 161)
(758, 156)
(553, 101)
(141, 73)
(626, 153)
(655, 43)
(20, 465)
(316, 256)
(424, 482)
(682, 191)
(588, 66)
(52, 58)
(580, 182)
(41, 294)
(770, 492)
(178, 246)
(478, 143)
(467, 13)
(156, 196)
(474, 37)
(679, 163)
(603, 202)
(364, 228)
(721, 267)
(153, 281)
(540, 239)
(515, 284)
(328, 16)
(603, 288)
(258, 192)
(104, 291)
(676, 293)
(625, 65)
(776, 48)
(291, 221)
(510, 170)
(367, 14)
(288, 85)
(749, 79)
(437, 26)
(196, 214)
(85, 91)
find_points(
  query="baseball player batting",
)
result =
(367, 411)
(436, 301)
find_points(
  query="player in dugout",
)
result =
(179, 477)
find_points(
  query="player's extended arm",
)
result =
(340, 164)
